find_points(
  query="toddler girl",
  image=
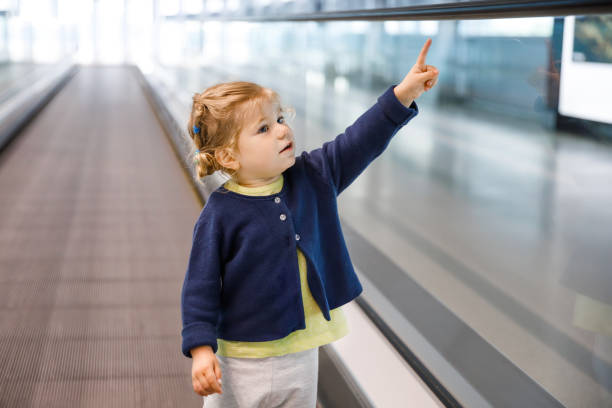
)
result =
(269, 270)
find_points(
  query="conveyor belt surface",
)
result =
(96, 221)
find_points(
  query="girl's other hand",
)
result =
(420, 78)
(205, 371)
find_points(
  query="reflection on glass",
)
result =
(585, 77)
(593, 39)
(492, 199)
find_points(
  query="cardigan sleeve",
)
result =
(341, 160)
(200, 296)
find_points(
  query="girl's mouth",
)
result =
(289, 147)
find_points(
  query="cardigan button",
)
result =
(283, 217)
(277, 200)
(297, 237)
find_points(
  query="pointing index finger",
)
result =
(423, 54)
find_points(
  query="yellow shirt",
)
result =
(318, 331)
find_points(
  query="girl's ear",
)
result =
(225, 157)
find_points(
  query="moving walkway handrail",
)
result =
(488, 9)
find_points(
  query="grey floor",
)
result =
(505, 222)
(96, 218)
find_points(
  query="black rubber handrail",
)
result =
(447, 11)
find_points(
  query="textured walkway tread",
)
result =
(95, 227)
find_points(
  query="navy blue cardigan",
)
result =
(242, 280)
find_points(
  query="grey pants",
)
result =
(288, 381)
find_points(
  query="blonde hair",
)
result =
(220, 113)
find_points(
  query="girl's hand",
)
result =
(420, 78)
(205, 371)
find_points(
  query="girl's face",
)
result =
(263, 154)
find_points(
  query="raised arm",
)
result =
(341, 160)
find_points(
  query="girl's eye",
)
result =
(264, 128)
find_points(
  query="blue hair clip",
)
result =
(197, 151)
(196, 129)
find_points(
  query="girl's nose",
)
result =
(285, 133)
